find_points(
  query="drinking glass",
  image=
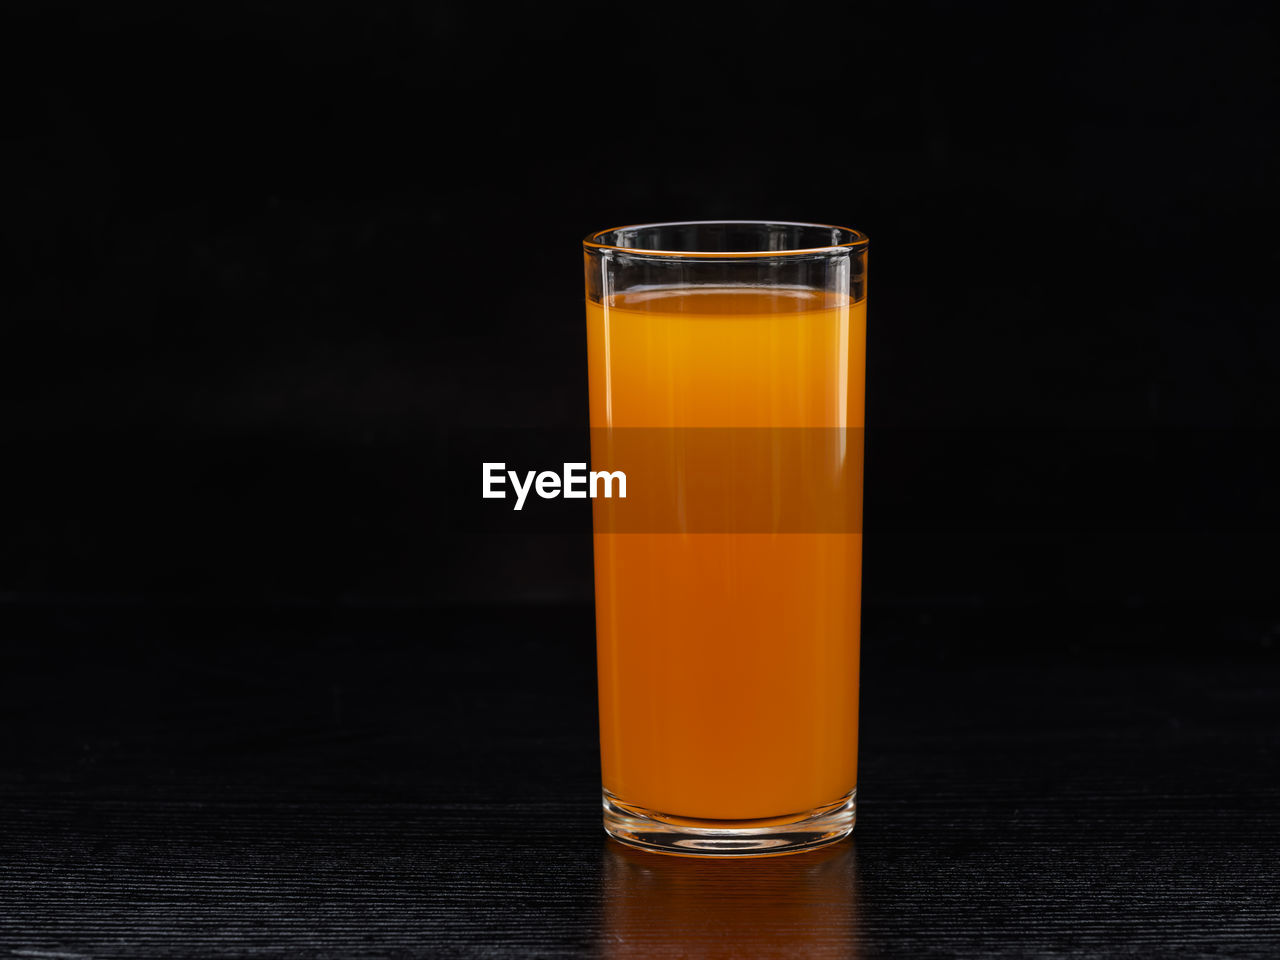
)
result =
(727, 369)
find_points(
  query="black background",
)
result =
(263, 258)
(265, 253)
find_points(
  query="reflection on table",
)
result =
(803, 905)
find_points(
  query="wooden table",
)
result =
(301, 782)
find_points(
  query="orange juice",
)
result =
(728, 662)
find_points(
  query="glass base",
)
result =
(772, 837)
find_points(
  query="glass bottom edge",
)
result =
(649, 830)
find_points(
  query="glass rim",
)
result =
(857, 240)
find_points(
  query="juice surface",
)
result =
(728, 662)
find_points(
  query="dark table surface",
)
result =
(190, 781)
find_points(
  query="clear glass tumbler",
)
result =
(727, 371)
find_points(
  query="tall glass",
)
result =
(727, 369)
